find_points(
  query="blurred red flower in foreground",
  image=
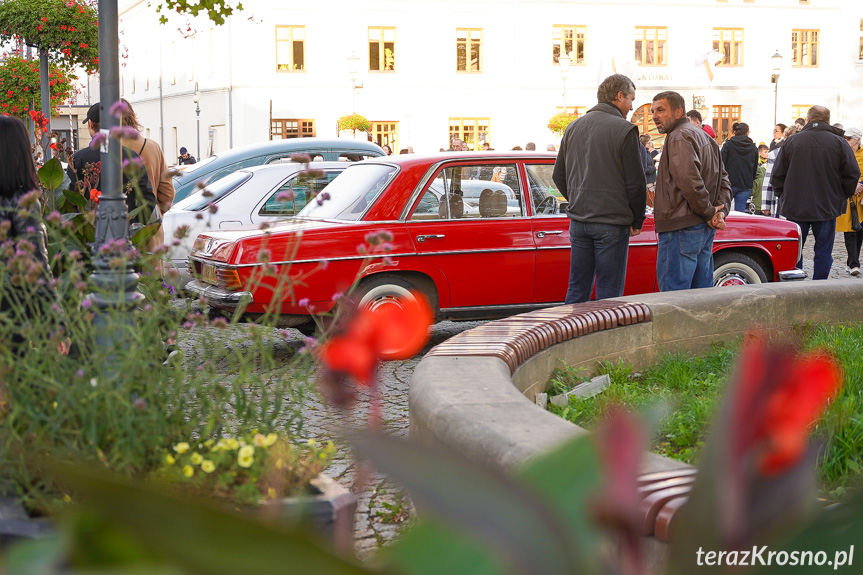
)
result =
(779, 396)
(396, 330)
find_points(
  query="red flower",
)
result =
(10, 93)
(94, 195)
(395, 330)
(778, 397)
(792, 408)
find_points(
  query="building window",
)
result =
(723, 118)
(467, 49)
(290, 48)
(579, 111)
(474, 131)
(650, 45)
(568, 40)
(799, 111)
(386, 134)
(861, 39)
(642, 118)
(804, 48)
(729, 43)
(281, 129)
(382, 49)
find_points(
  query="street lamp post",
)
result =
(777, 64)
(564, 60)
(354, 70)
(197, 100)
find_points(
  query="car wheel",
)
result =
(386, 290)
(730, 269)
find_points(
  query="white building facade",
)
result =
(486, 71)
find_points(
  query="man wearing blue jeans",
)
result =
(599, 170)
(692, 195)
(813, 178)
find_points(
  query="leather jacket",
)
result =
(691, 181)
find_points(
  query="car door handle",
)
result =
(544, 233)
(421, 239)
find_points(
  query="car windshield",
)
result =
(351, 193)
(203, 198)
(190, 171)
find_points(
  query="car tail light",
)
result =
(228, 279)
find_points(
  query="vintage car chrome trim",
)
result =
(792, 275)
(750, 240)
(218, 295)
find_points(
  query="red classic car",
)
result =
(482, 235)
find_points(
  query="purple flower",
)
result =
(285, 196)
(263, 255)
(212, 208)
(301, 158)
(337, 296)
(118, 109)
(304, 302)
(80, 373)
(325, 264)
(86, 303)
(123, 133)
(98, 139)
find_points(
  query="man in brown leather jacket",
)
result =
(692, 195)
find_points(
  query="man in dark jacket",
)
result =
(740, 157)
(599, 171)
(813, 177)
(692, 195)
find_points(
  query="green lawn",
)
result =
(680, 394)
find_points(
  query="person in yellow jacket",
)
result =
(853, 238)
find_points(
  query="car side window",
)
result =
(472, 192)
(354, 156)
(544, 195)
(295, 193)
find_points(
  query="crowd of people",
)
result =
(810, 174)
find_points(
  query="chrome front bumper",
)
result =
(218, 296)
(792, 275)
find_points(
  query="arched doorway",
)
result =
(642, 118)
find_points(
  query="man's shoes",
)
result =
(855, 271)
(847, 269)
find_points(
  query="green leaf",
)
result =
(143, 235)
(431, 548)
(75, 198)
(510, 517)
(201, 537)
(836, 529)
(51, 174)
(569, 475)
(34, 557)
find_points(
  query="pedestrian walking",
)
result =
(740, 156)
(814, 175)
(692, 198)
(599, 171)
(852, 230)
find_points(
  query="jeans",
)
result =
(853, 241)
(825, 233)
(684, 258)
(740, 197)
(598, 250)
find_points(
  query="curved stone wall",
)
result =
(470, 397)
